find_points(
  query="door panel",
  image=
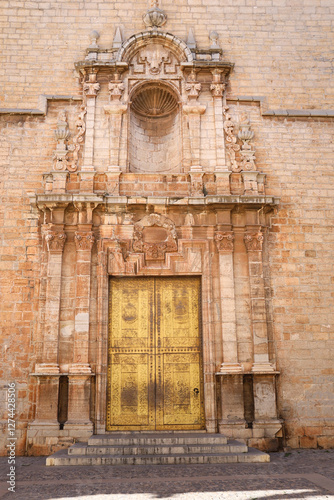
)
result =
(154, 371)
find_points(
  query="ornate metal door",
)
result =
(155, 357)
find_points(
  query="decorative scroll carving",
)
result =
(155, 249)
(84, 240)
(55, 240)
(224, 241)
(253, 241)
(78, 139)
(231, 141)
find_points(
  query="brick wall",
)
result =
(282, 52)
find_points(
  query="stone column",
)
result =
(55, 238)
(194, 111)
(48, 370)
(231, 380)
(217, 90)
(253, 240)
(116, 111)
(225, 244)
(80, 370)
(90, 88)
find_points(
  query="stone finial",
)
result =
(191, 42)
(214, 37)
(154, 17)
(94, 36)
(117, 42)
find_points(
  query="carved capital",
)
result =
(193, 90)
(217, 89)
(116, 89)
(55, 240)
(84, 240)
(253, 241)
(91, 87)
(224, 241)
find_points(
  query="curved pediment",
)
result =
(152, 42)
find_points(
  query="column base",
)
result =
(263, 368)
(46, 369)
(211, 426)
(227, 368)
(80, 369)
(86, 425)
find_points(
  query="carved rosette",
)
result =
(253, 241)
(55, 240)
(155, 250)
(84, 240)
(224, 241)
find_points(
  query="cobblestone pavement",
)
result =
(302, 474)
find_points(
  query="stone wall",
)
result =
(281, 79)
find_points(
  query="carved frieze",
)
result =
(253, 241)
(224, 241)
(154, 235)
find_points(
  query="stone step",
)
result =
(156, 438)
(165, 449)
(62, 457)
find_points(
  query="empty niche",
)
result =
(155, 130)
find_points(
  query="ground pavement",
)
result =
(302, 474)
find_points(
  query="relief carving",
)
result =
(231, 141)
(155, 243)
(154, 60)
(78, 140)
(62, 134)
(224, 241)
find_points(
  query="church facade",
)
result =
(167, 244)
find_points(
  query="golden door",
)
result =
(155, 355)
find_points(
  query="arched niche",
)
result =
(155, 144)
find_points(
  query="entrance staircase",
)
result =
(155, 448)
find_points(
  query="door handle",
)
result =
(196, 391)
